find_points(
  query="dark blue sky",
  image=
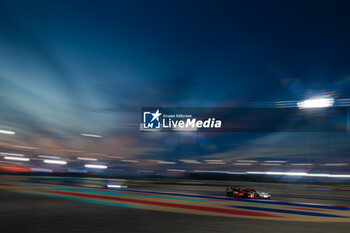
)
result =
(89, 66)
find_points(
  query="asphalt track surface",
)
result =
(27, 207)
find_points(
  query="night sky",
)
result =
(68, 67)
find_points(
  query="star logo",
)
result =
(156, 115)
(151, 119)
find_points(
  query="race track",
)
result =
(156, 208)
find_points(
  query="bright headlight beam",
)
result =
(96, 166)
(16, 158)
(7, 131)
(316, 103)
(52, 161)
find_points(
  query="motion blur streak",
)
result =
(96, 166)
(51, 161)
(91, 135)
(49, 156)
(16, 158)
(87, 159)
(11, 154)
(189, 203)
(316, 103)
(14, 169)
(26, 147)
(75, 77)
(300, 174)
(6, 131)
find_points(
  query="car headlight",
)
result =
(266, 195)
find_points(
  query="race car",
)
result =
(246, 193)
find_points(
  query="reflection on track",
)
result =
(188, 203)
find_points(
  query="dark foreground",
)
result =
(27, 213)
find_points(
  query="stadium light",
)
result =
(316, 103)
